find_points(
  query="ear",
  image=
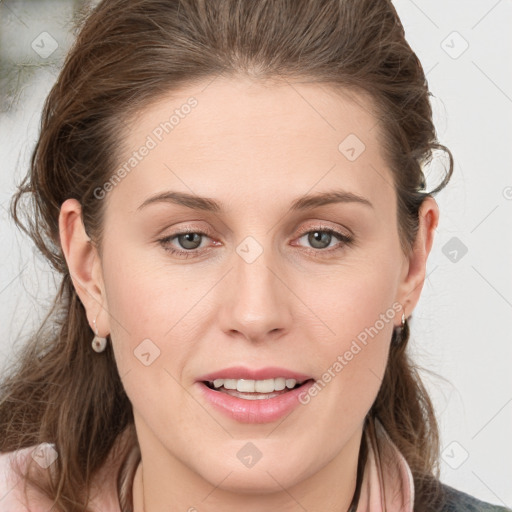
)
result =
(84, 264)
(413, 274)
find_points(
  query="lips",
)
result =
(253, 406)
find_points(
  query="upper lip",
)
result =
(241, 372)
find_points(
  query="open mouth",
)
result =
(254, 390)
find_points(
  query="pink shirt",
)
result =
(387, 481)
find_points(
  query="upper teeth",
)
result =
(255, 386)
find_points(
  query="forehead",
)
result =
(255, 142)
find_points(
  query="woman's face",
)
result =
(265, 280)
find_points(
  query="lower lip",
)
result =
(265, 410)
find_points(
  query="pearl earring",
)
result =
(98, 343)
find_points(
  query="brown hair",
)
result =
(128, 54)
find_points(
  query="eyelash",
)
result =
(344, 240)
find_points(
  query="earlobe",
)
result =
(414, 278)
(81, 258)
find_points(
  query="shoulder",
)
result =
(103, 492)
(458, 501)
(12, 497)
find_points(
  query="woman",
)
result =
(233, 193)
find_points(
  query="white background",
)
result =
(461, 328)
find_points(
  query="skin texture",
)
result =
(254, 147)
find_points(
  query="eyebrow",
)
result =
(210, 205)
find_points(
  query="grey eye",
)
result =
(190, 240)
(319, 239)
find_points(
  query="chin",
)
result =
(250, 483)
(260, 479)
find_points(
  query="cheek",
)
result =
(358, 310)
(146, 299)
(351, 299)
(148, 311)
(151, 337)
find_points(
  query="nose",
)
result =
(255, 301)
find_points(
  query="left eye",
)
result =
(190, 240)
(322, 238)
